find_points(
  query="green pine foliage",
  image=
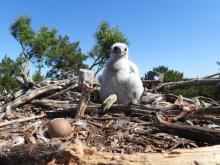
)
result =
(105, 37)
(8, 70)
(37, 76)
(169, 75)
(47, 47)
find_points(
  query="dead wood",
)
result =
(3, 98)
(116, 108)
(54, 104)
(28, 154)
(69, 84)
(23, 77)
(213, 119)
(21, 120)
(86, 78)
(28, 96)
(62, 92)
(180, 84)
(202, 134)
(54, 154)
(145, 82)
(126, 129)
(210, 76)
(209, 110)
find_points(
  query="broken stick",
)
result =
(86, 78)
(21, 120)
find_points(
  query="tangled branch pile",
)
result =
(161, 122)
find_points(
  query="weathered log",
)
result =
(54, 154)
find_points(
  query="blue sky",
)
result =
(181, 34)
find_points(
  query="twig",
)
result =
(2, 124)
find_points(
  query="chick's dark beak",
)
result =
(116, 49)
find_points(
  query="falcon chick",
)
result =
(120, 79)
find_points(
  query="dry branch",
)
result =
(209, 110)
(62, 92)
(28, 96)
(194, 82)
(212, 75)
(54, 104)
(202, 134)
(145, 82)
(23, 78)
(2, 124)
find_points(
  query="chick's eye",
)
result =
(125, 49)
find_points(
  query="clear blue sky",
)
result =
(181, 34)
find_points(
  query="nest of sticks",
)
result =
(161, 123)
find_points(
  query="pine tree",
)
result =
(8, 70)
(47, 47)
(105, 37)
(37, 76)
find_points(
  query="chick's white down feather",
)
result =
(121, 77)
